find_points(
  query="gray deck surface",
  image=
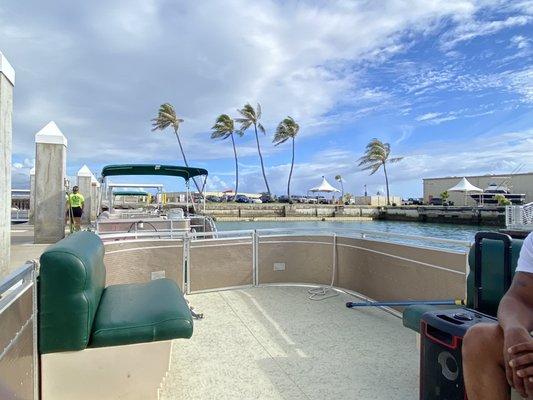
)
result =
(274, 343)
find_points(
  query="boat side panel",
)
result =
(220, 263)
(17, 349)
(307, 259)
(143, 260)
(385, 271)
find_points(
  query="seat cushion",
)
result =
(137, 313)
(71, 282)
(413, 314)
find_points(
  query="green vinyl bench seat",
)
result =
(139, 313)
(77, 311)
(492, 281)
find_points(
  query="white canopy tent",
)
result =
(324, 187)
(465, 187)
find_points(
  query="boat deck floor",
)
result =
(275, 343)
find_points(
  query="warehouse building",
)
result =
(516, 183)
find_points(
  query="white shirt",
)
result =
(525, 261)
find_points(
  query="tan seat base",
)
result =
(121, 372)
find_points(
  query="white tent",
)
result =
(324, 187)
(465, 187)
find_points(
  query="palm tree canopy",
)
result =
(287, 129)
(166, 116)
(338, 177)
(376, 154)
(249, 117)
(224, 127)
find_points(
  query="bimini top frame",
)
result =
(129, 193)
(153, 169)
(156, 169)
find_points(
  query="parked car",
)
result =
(436, 201)
(299, 199)
(266, 198)
(213, 199)
(255, 201)
(311, 200)
(240, 198)
(283, 199)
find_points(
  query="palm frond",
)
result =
(223, 127)
(261, 128)
(166, 116)
(287, 129)
(395, 159)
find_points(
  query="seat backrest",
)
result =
(71, 281)
(492, 274)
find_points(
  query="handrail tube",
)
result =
(377, 233)
(15, 277)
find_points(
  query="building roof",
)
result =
(479, 176)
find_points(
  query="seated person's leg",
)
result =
(483, 368)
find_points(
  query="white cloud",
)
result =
(475, 28)
(428, 116)
(115, 61)
(520, 42)
(101, 69)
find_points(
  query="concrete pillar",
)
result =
(32, 195)
(85, 187)
(7, 82)
(50, 173)
(95, 195)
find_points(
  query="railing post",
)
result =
(36, 375)
(334, 263)
(186, 264)
(255, 262)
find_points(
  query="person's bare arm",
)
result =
(516, 307)
(515, 315)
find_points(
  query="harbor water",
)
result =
(427, 230)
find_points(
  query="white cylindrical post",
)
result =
(7, 83)
(85, 188)
(94, 197)
(32, 195)
(50, 173)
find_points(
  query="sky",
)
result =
(449, 84)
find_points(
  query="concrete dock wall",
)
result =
(494, 216)
(457, 215)
(233, 210)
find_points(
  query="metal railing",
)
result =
(18, 341)
(20, 215)
(259, 237)
(519, 217)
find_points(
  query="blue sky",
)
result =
(448, 84)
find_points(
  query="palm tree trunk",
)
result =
(236, 166)
(342, 191)
(386, 183)
(185, 159)
(261, 158)
(290, 173)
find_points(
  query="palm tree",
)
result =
(377, 155)
(250, 117)
(166, 116)
(338, 178)
(224, 128)
(287, 129)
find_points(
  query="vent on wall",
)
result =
(279, 266)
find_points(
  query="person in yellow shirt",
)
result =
(75, 202)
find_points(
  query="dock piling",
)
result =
(50, 173)
(7, 83)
